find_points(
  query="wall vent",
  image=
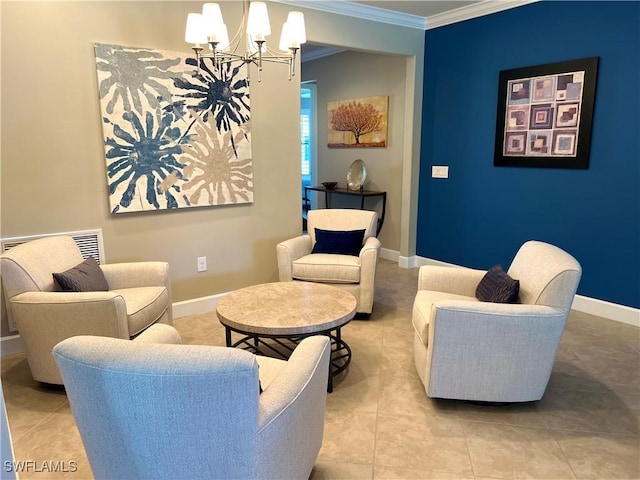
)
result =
(89, 242)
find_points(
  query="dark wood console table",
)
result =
(362, 194)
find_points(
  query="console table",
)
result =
(362, 194)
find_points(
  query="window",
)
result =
(307, 133)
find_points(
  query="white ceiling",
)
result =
(422, 8)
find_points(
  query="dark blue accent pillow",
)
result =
(498, 287)
(342, 242)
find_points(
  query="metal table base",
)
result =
(282, 346)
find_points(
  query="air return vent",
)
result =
(89, 242)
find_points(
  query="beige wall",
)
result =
(351, 75)
(53, 169)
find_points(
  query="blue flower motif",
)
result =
(147, 151)
(224, 95)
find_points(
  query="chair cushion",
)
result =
(422, 309)
(145, 305)
(498, 287)
(342, 242)
(85, 277)
(327, 268)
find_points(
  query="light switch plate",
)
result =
(439, 171)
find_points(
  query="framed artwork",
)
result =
(361, 122)
(545, 114)
(174, 136)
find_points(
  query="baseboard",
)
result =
(11, 345)
(197, 306)
(611, 311)
(592, 306)
(389, 254)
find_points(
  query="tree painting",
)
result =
(358, 123)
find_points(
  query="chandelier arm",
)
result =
(240, 39)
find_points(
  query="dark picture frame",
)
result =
(545, 115)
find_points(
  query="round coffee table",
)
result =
(273, 317)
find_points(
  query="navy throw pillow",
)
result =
(342, 242)
(85, 277)
(498, 287)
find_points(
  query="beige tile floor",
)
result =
(380, 424)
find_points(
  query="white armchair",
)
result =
(353, 273)
(136, 306)
(494, 352)
(190, 411)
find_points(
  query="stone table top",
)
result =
(286, 308)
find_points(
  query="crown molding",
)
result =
(376, 14)
(357, 10)
(476, 10)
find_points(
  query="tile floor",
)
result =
(380, 424)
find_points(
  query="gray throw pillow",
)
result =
(85, 277)
(498, 287)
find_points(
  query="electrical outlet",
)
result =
(202, 264)
(439, 171)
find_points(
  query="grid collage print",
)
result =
(543, 115)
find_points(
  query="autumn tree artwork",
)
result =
(361, 122)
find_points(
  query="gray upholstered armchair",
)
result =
(191, 411)
(494, 352)
(354, 273)
(137, 304)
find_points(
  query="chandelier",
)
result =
(209, 28)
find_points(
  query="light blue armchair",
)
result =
(186, 411)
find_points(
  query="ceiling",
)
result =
(415, 11)
(422, 8)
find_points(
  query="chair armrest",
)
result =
(289, 251)
(458, 280)
(136, 274)
(46, 318)
(515, 310)
(368, 262)
(371, 245)
(491, 352)
(63, 314)
(292, 411)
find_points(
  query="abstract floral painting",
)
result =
(175, 136)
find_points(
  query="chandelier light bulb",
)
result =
(258, 21)
(286, 41)
(212, 13)
(295, 20)
(196, 31)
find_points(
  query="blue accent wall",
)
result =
(482, 214)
